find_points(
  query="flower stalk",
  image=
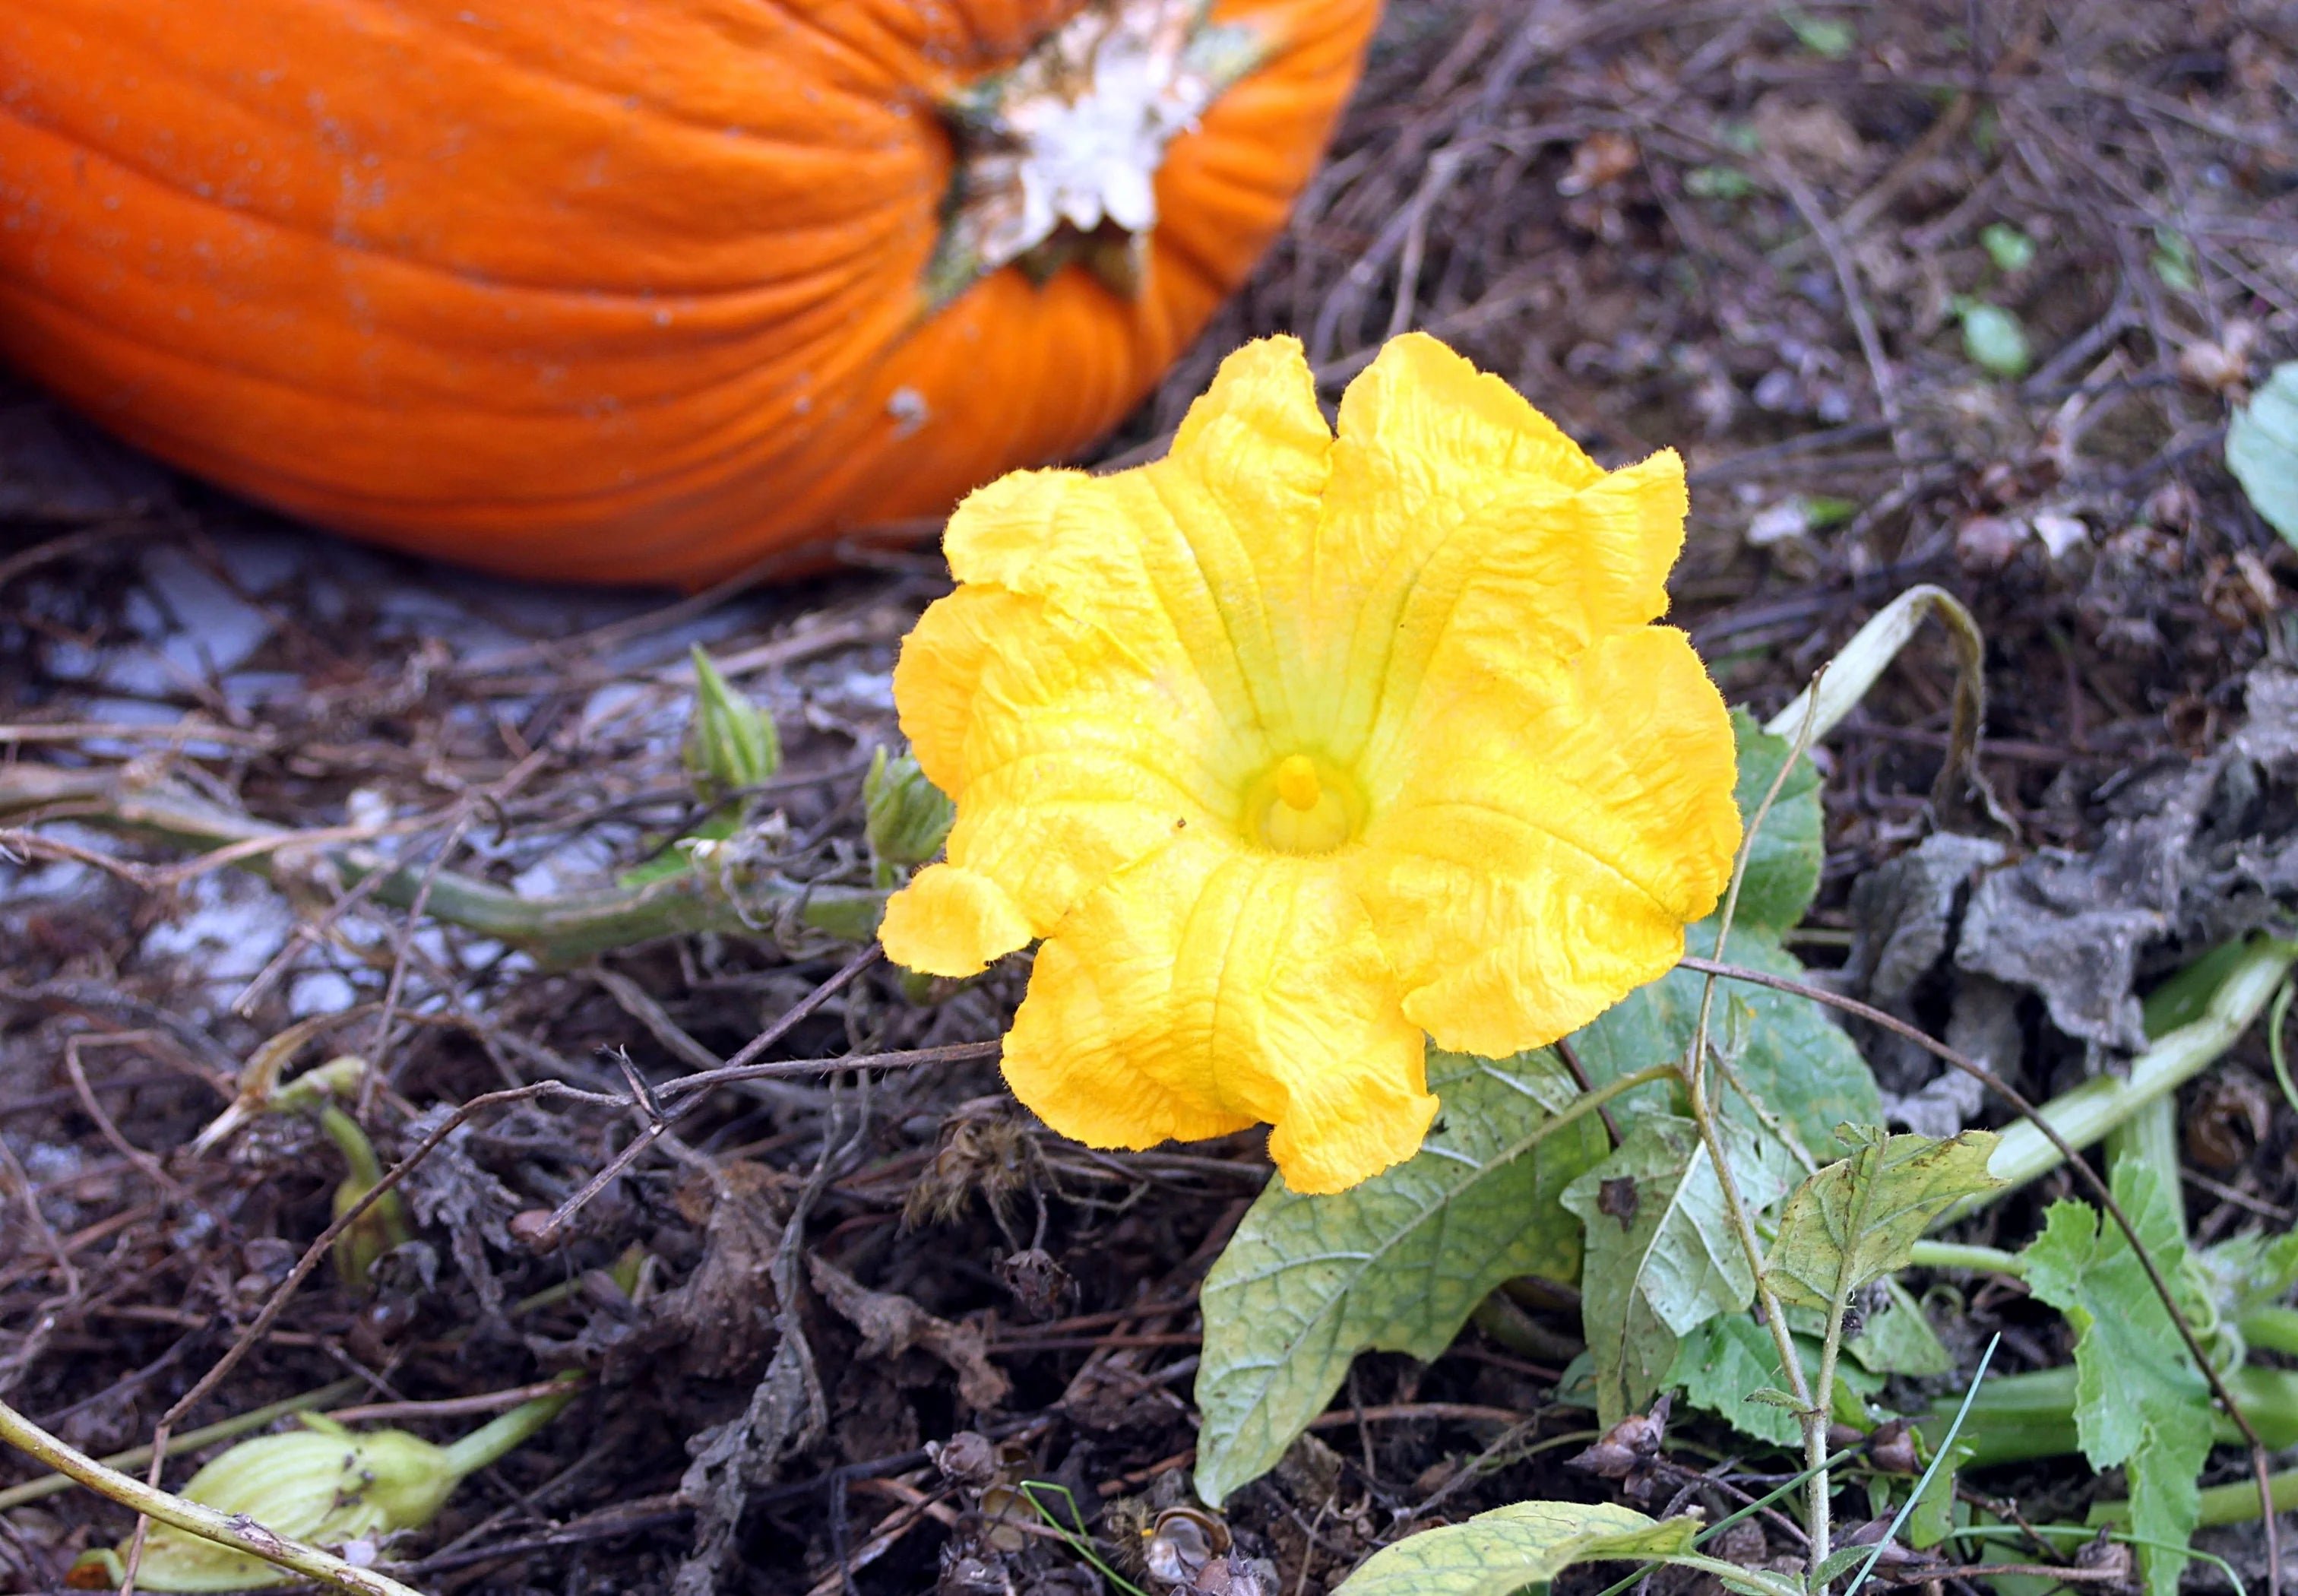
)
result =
(323, 1485)
(236, 1531)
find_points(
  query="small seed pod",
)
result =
(1182, 1541)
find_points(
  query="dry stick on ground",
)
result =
(659, 1124)
(235, 1530)
(276, 1302)
(1854, 301)
(2082, 1171)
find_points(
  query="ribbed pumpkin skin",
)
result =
(606, 290)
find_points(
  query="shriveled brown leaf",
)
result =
(891, 1325)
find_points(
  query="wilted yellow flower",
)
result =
(1293, 747)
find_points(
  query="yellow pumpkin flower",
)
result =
(1293, 747)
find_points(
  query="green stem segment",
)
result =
(498, 1438)
(1957, 1255)
(236, 1531)
(2021, 1417)
(2085, 1115)
(561, 929)
(190, 1441)
(2275, 1329)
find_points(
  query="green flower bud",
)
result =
(730, 742)
(908, 818)
(324, 1486)
(384, 1225)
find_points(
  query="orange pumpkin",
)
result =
(617, 290)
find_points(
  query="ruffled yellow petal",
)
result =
(1174, 562)
(1206, 988)
(1290, 748)
(1556, 827)
(952, 921)
(939, 667)
(1077, 763)
(1454, 505)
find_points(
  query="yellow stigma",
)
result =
(1303, 804)
(1297, 783)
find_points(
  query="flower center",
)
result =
(1303, 805)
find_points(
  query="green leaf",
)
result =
(2262, 450)
(1831, 36)
(2248, 1272)
(1995, 339)
(1726, 1366)
(1729, 1368)
(1857, 1219)
(1794, 1059)
(2139, 1399)
(1718, 183)
(1932, 1519)
(1662, 1258)
(730, 742)
(2010, 249)
(1784, 863)
(2173, 261)
(1504, 1551)
(1397, 1263)
(1899, 1340)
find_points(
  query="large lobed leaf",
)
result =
(1398, 1262)
(2139, 1399)
(1504, 1551)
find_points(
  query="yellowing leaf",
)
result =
(1855, 1219)
(1398, 1262)
(1526, 1544)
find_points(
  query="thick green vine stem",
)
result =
(719, 893)
(2085, 1115)
(236, 1531)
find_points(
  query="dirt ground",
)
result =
(1749, 231)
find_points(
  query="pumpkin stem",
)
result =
(1057, 155)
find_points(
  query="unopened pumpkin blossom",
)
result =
(1299, 749)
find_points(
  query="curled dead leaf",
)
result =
(891, 1325)
(1626, 1446)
